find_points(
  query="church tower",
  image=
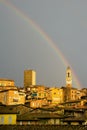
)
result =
(68, 78)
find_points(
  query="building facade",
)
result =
(56, 95)
(8, 119)
(6, 84)
(12, 97)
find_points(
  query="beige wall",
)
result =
(37, 103)
(6, 84)
(12, 97)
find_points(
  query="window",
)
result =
(2, 120)
(44, 94)
(39, 94)
(20, 122)
(68, 74)
(9, 83)
(28, 122)
(5, 98)
(10, 120)
(15, 100)
(15, 92)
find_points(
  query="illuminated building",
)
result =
(12, 97)
(37, 92)
(56, 95)
(6, 84)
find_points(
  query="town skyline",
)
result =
(51, 105)
(46, 36)
(76, 85)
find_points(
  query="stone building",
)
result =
(6, 84)
(56, 95)
(12, 97)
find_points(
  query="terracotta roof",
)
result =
(38, 116)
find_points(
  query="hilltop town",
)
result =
(38, 104)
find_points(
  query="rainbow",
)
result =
(49, 41)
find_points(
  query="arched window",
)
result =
(68, 74)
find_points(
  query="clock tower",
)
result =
(68, 78)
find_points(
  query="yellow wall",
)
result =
(8, 119)
(56, 95)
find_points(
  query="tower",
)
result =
(29, 78)
(68, 77)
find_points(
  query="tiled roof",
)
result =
(13, 109)
(7, 110)
(74, 119)
(38, 116)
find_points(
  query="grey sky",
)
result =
(22, 47)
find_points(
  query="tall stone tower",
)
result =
(29, 78)
(67, 92)
(68, 77)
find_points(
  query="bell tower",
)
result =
(68, 77)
